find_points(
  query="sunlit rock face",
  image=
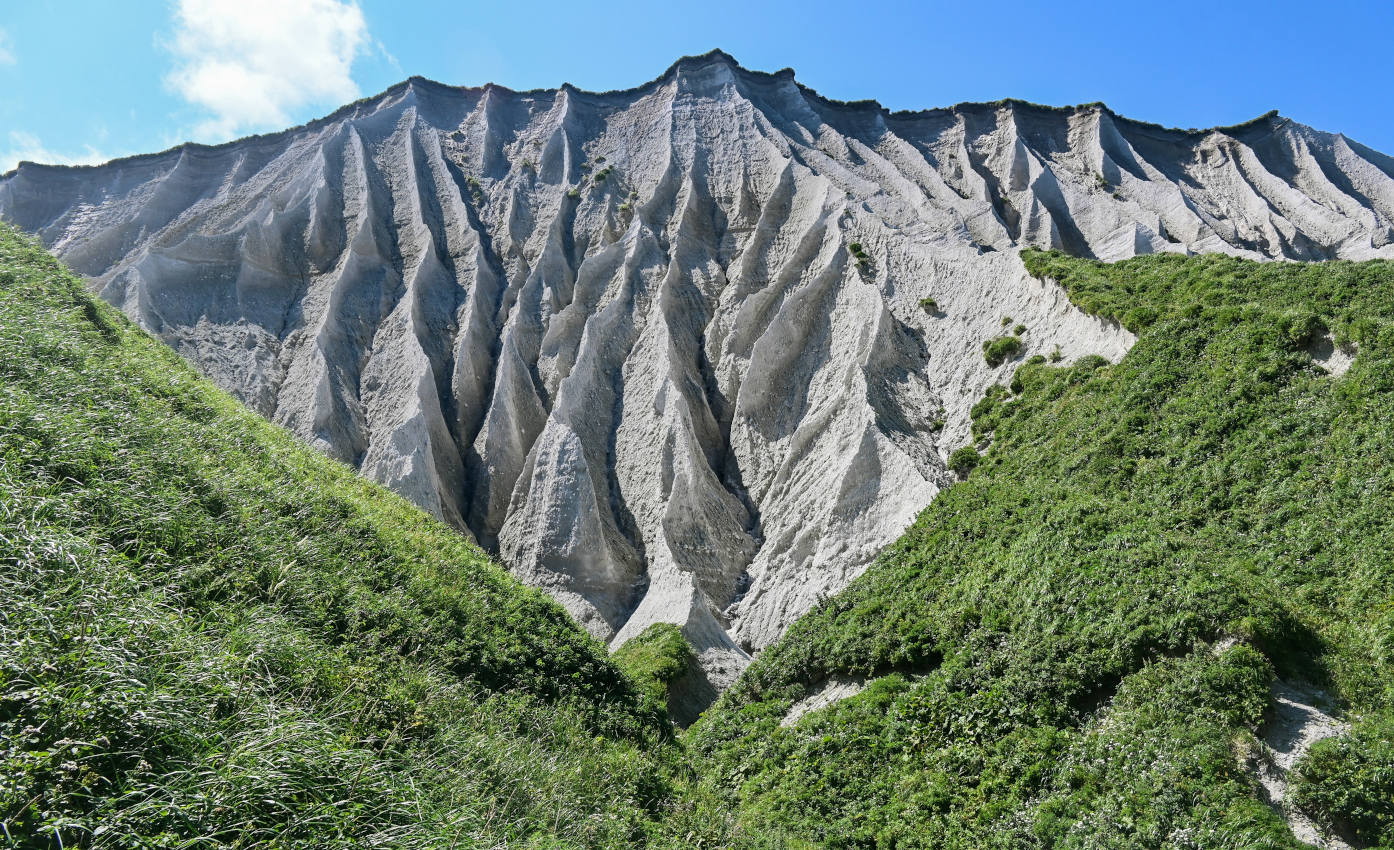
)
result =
(663, 350)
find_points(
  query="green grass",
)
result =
(1043, 644)
(1000, 349)
(654, 658)
(1348, 783)
(213, 636)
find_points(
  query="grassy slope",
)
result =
(1046, 636)
(214, 636)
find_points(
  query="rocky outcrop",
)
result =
(664, 349)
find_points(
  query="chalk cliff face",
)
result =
(664, 349)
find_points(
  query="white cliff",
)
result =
(624, 339)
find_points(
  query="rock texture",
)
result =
(663, 349)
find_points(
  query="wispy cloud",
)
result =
(251, 63)
(27, 147)
(7, 55)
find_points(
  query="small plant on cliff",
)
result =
(859, 254)
(998, 351)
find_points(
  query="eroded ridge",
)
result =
(691, 352)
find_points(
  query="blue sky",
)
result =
(87, 80)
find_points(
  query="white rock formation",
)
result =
(623, 338)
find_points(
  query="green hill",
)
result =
(1074, 647)
(213, 636)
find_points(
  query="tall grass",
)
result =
(212, 636)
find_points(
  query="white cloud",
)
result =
(7, 56)
(251, 63)
(28, 147)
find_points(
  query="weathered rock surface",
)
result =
(625, 339)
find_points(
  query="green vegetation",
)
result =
(1019, 330)
(1073, 646)
(654, 659)
(859, 255)
(214, 636)
(964, 461)
(476, 191)
(1000, 349)
(1006, 320)
(1348, 783)
(1057, 355)
(929, 305)
(573, 193)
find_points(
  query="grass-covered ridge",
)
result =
(213, 636)
(1074, 646)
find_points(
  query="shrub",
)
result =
(1006, 320)
(1139, 318)
(1019, 330)
(998, 351)
(929, 305)
(859, 254)
(964, 461)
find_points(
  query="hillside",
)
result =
(1160, 597)
(1116, 631)
(691, 352)
(214, 636)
